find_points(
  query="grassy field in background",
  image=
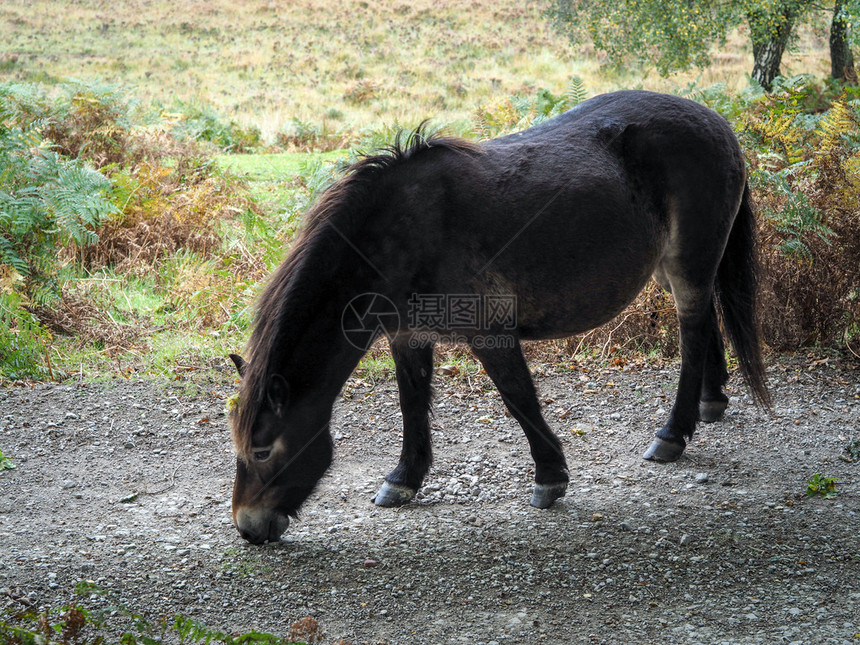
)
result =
(342, 65)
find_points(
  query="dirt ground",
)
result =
(128, 484)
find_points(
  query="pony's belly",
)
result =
(544, 316)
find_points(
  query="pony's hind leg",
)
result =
(510, 373)
(712, 400)
(696, 318)
(414, 371)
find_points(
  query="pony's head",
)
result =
(283, 450)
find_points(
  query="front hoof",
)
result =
(391, 495)
(663, 451)
(545, 494)
(710, 411)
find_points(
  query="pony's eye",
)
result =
(262, 455)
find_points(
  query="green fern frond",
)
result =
(576, 92)
(9, 257)
(45, 200)
(523, 105)
(22, 337)
(795, 248)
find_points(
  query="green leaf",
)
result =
(5, 462)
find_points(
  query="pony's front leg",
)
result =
(414, 370)
(510, 373)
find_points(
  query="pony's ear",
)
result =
(239, 362)
(278, 394)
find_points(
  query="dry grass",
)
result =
(85, 317)
(162, 215)
(314, 140)
(307, 630)
(813, 300)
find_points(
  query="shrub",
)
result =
(167, 193)
(804, 153)
(80, 119)
(46, 203)
(518, 112)
(162, 210)
(92, 122)
(198, 122)
(23, 338)
(156, 196)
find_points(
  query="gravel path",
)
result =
(128, 484)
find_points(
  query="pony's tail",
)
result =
(736, 290)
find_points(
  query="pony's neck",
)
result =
(309, 347)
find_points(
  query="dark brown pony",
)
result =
(541, 234)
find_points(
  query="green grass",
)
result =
(274, 178)
(375, 366)
(169, 354)
(270, 168)
(144, 329)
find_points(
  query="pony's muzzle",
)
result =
(259, 525)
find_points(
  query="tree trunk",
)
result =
(841, 57)
(768, 50)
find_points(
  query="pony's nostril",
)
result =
(252, 537)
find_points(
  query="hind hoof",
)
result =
(710, 411)
(545, 494)
(663, 451)
(391, 495)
